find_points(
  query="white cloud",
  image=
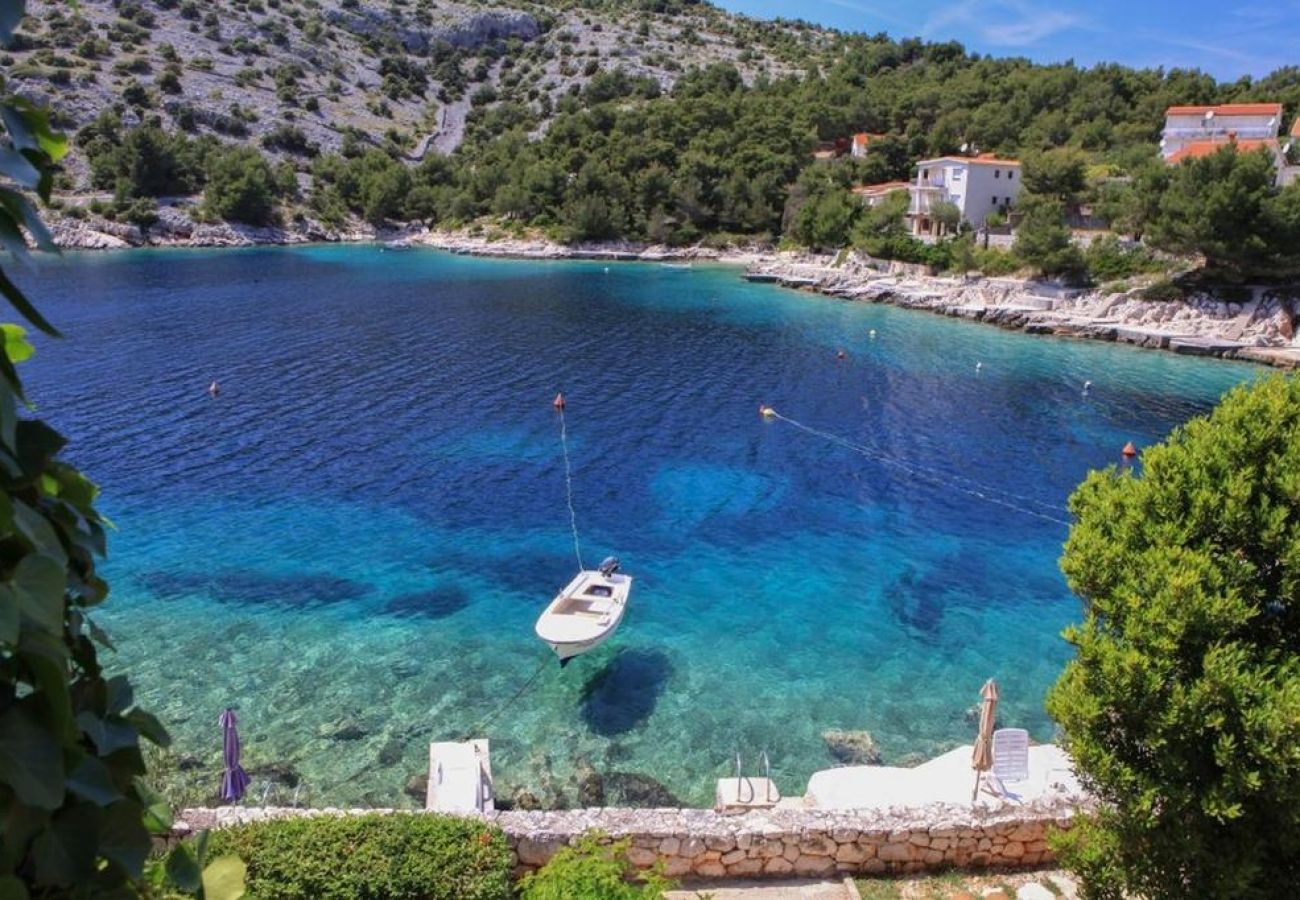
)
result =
(1004, 23)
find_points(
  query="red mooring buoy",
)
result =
(558, 402)
(1129, 450)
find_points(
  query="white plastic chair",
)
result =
(1010, 756)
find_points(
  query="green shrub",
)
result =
(417, 856)
(1181, 708)
(592, 870)
(1164, 290)
(1107, 259)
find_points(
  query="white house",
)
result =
(861, 142)
(977, 186)
(1200, 130)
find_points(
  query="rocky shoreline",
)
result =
(1259, 327)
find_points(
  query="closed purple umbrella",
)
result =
(234, 780)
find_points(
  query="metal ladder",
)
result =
(765, 770)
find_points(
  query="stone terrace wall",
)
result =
(773, 843)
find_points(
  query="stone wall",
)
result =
(773, 843)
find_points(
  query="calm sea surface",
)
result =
(351, 544)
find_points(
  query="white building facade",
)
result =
(977, 186)
(1186, 126)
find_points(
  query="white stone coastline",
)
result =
(1259, 329)
(773, 843)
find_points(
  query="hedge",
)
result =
(418, 856)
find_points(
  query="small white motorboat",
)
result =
(586, 612)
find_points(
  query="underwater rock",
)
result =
(417, 787)
(188, 763)
(854, 748)
(343, 730)
(277, 773)
(591, 786)
(437, 603)
(405, 668)
(390, 754)
(526, 800)
(635, 789)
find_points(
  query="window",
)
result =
(997, 173)
(1011, 173)
(995, 201)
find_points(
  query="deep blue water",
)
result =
(363, 527)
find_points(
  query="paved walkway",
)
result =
(761, 890)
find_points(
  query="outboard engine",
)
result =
(609, 566)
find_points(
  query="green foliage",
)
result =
(1227, 208)
(1059, 174)
(1107, 259)
(1043, 240)
(241, 186)
(420, 856)
(75, 819)
(1181, 708)
(592, 869)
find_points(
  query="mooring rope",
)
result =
(568, 487)
(975, 489)
(477, 730)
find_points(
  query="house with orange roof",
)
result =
(1192, 131)
(861, 142)
(875, 194)
(977, 185)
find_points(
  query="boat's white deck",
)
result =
(945, 779)
(576, 616)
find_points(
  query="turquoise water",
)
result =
(352, 543)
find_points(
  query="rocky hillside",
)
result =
(302, 75)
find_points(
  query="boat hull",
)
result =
(585, 614)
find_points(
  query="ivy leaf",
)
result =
(182, 870)
(8, 615)
(17, 347)
(92, 781)
(12, 889)
(149, 726)
(29, 128)
(123, 838)
(39, 533)
(224, 879)
(18, 167)
(157, 814)
(99, 635)
(38, 583)
(31, 760)
(120, 694)
(64, 853)
(108, 734)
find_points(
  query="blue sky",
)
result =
(1227, 39)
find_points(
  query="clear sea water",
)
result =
(351, 544)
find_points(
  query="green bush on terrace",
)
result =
(416, 856)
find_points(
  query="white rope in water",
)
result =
(981, 492)
(568, 487)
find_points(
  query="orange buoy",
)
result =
(558, 402)
(1129, 450)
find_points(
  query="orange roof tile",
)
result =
(1197, 149)
(1295, 129)
(1228, 109)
